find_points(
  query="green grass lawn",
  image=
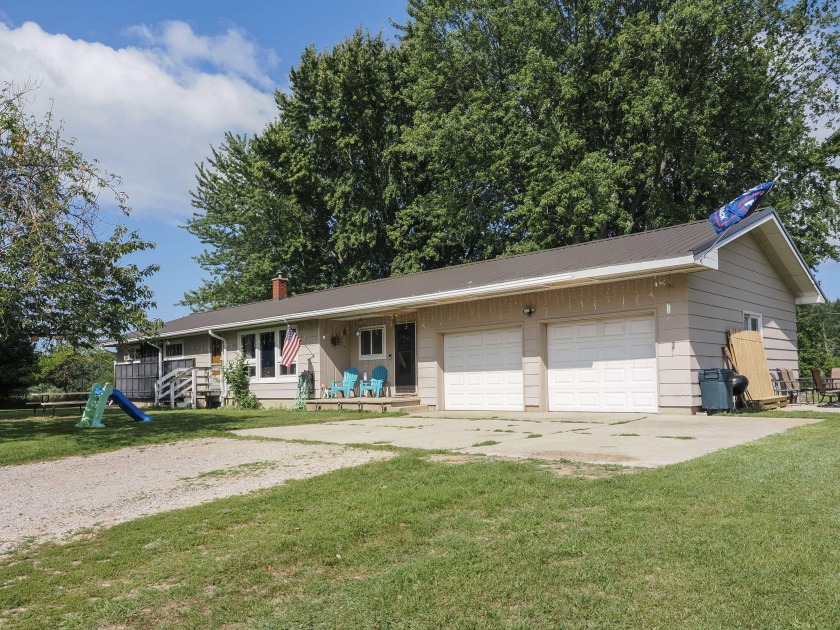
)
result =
(25, 437)
(746, 537)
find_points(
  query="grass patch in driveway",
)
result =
(677, 437)
(743, 537)
(485, 443)
(27, 438)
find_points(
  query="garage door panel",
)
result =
(586, 330)
(641, 376)
(610, 367)
(642, 351)
(615, 375)
(640, 399)
(614, 353)
(613, 329)
(490, 364)
(642, 326)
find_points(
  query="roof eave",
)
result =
(811, 293)
(682, 263)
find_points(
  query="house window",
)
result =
(268, 358)
(262, 351)
(292, 369)
(131, 354)
(248, 348)
(752, 321)
(174, 350)
(372, 343)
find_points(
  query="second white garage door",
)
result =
(482, 370)
(603, 365)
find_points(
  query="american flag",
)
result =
(291, 345)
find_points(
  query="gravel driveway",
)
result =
(51, 500)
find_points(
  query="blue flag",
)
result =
(739, 208)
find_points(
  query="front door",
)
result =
(216, 355)
(405, 378)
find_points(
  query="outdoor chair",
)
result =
(835, 378)
(791, 384)
(821, 389)
(346, 386)
(778, 386)
(376, 382)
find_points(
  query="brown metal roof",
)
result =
(654, 245)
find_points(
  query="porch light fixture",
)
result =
(528, 311)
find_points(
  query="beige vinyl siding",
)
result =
(333, 359)
(282, 389)
(647, 295)
(717, 299)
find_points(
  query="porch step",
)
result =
(403, 402)
(361, 404)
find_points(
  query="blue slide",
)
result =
(128, 407)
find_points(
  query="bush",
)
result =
(238, 380)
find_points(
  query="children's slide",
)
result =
(99, 397)
(128, 407)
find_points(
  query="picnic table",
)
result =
(79, 400)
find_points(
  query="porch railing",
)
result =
(186, 385)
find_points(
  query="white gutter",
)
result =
(686, 261)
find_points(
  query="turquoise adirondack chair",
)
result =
(346, 386)
(376, 382)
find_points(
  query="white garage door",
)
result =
(606, 365)
(483, 371)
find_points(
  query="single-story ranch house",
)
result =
(620, 324)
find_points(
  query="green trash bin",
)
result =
(716, 390)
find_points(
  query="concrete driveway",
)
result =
(628, 439)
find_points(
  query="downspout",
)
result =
(160, 372)
(224, 356)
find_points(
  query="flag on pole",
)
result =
(739, 208)
(291, 345)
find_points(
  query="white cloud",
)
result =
(178, 49)
(147, 113)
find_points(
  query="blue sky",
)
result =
(147, 87)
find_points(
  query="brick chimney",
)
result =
(279, 287)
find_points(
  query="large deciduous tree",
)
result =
(70, 369)
(317, 193)
(60, 261)
(818, 336)
(554, 122)
(502, 126)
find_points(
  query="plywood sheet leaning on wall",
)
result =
(747, 348)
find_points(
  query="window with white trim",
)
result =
(752, 321)
(174, 349)
(372, 343)
(248, 347)
(263, 350)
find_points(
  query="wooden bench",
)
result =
(63, 403)
(35, 406)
